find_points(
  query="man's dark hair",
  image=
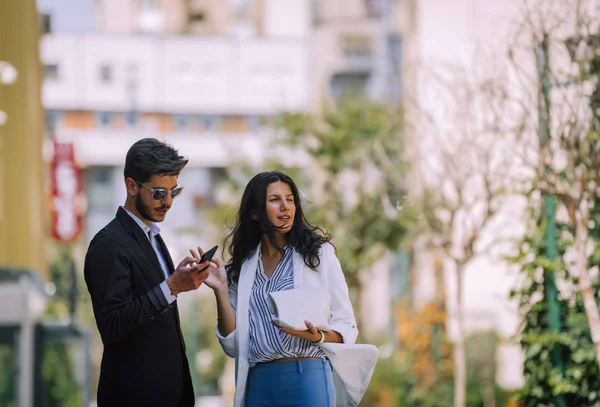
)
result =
(149, 156)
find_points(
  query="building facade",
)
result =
(203, 91)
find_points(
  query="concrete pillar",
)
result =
(23, 209)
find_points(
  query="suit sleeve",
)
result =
(342, 315)
(108, 277)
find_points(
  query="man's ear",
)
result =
(131, 186)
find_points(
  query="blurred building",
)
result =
(265, 18)
(200, 75)
(357, 48)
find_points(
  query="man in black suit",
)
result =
(134, 287)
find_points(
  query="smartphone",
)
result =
(207, 256)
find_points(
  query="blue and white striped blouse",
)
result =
(267, 342)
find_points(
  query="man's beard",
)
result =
(143, 209)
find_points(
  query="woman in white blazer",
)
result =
(273, 248)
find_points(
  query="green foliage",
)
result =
(395, 383)
(481, 368)
(8, 374)
(354, 178)
(579, 383)
(202, 346)
(60, 385)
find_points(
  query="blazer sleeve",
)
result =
(228, 342)
(107, 274)
(342, 314)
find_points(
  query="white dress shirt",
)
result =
(151, 232)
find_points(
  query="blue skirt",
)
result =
(302, 383)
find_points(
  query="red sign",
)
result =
(65, 193)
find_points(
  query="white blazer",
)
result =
(329, 274)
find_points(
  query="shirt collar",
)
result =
(153, 228)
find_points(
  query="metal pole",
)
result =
(26, 346)
(550, 290)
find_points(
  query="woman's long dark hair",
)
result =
(252, 222)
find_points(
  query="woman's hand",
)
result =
(311, 334)
(218, 276)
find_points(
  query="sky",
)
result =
(74, 16)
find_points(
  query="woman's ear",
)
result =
(253, 216)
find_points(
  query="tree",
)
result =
(354, 176)
(58, 371)
(578, 382)
(567, 163)
(465, 197)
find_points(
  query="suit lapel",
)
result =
(149, 250)
(130, 226)
(247, 274)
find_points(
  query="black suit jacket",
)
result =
(144, 362)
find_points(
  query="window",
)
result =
(51, 72)
(53, 118)
(100, 189)
(104, 119)
(374, 8)
(317, 12)
(131, 118)
(106, 73)
(356, 47)
(197, 17)
(241, 7)
(181, 121)
(346, 83)
(100, 175)
(148, 4)
(186, 73)
(46, 21)
(234, 124)
(210, 122)
(253, 123)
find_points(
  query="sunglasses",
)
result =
(159, 194)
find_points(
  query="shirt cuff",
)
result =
(167, 292)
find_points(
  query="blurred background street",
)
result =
(451, 147)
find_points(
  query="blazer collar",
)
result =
(298, 265)
(248, 272)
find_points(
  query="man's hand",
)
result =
(188, 276)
